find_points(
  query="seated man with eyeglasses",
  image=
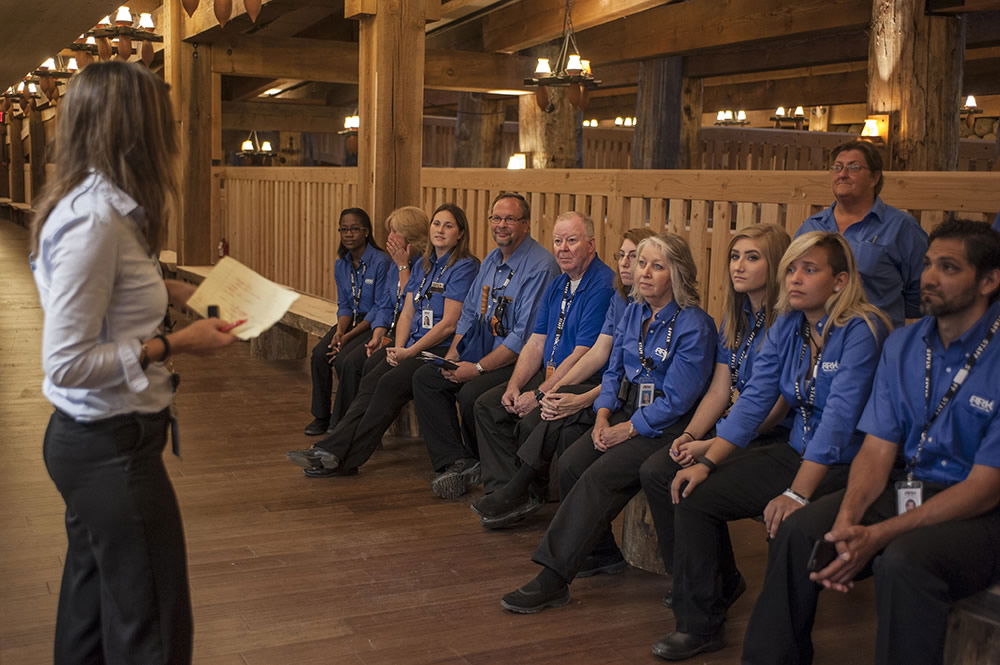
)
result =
(496, 323)
(888, 244)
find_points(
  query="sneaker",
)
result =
(529, 505)
(531, 599)
(313, 458)
(317, 427)
(457, 478)
(602, 565)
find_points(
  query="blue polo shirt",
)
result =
(369, 280)
(889, 248)
(530, 268)
(967, 432)
(996, 223)
(585, 311)
(389, 301)
(681, 372)
(843, 383)
(747, 350)
(429, 289)
(616, 312)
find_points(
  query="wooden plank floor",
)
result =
(367, 570)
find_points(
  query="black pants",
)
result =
(124, 595)
(435, 397)
(498, 433)
(384, 391)
(349, 365)
(917, 578)
(595, 487)
(705, 570)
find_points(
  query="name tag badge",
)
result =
(549, 371)
(646, 391)
(426, 319)
(437, 287)
(909, 495)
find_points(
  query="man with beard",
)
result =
(496, 323)
(934, 406)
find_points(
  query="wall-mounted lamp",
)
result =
(517, 161)
(876, 128)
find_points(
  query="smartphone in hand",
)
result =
(822, 555)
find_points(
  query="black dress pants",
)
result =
(384, 391)
(348, 364)
(435, 396)
(917, 578)
(498, 434)
(541, 440)
(705, 570)
(595, 487)
(124, 597)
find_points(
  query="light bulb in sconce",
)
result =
(124, 16)
(543, 68)
(246, 146)
(49, 64)
(573, 65)
(870, 128)
(800, 112)
(970, 102)
(728, 115)
(91, 41)
(517, 161)
(72, 65)
(593, 122)
(586, 67)
(741, 116)
(265, 146)
(619, 121)
(779, 112)
(105, 22)
(720, 116)
(146, 21)
(31, 88)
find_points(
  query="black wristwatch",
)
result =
(539, 395)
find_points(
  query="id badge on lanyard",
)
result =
(427, 319)
(909, 495)
(646, 391)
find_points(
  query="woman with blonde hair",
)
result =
(564, 412)
(820, 356)
(95, 241)
(750, 309)
(431, 304)
(660, 364)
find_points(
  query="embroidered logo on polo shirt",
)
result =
(831, 366)
(370, 280)
(661, 353)
(981, 403)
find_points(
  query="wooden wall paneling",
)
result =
(718, 260)
(16, 175)
(746, 214)
(36, 138)
(769, 213)
(698, 240)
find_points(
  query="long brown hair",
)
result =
(461, 250)
(116, 119)
(636, 235)
(772, 241)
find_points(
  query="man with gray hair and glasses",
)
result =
(888, 244)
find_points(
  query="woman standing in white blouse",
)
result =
(95, 241)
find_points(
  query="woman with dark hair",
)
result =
(431, 307)
(95, 240)
(360, 275)
(659, 367)
(564, 413)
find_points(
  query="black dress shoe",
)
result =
(602, 565)
(513, 516)
(317, 427)
(681, 646)
(531, 598)
(327, 473)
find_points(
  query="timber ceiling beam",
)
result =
(526, 23)
(337, 62)
(668, 29)
(281, 117)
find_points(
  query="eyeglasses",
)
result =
(619, 255)
(344, 230)
(850, 168)
(496, 219)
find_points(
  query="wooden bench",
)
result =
(974, 630)
(21, 213)
(289, 338)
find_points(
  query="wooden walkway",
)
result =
(366, 570)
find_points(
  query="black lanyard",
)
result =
(496, 292)
(567, 302)
(397, 306)
(736, 361)
(426, 295)
(806, 405)
(646, 364)
(356, 290)
(956, 384)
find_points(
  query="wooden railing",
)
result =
(282, 221)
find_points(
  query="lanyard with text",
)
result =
(567, 302)
(736, 360)
(645, 363)
(956, 384)
(807, 397)
(357, 283)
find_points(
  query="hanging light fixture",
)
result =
(258, 152)
(570, 71)
(105, 38)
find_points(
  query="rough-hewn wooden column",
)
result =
(16, 158)
(668, 112)
(915, 76)
(188, 71)
(390, 103)
(479, 132)
(36, 148)
(4, 163)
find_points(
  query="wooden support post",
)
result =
(16, 159)
(280, 342)
(479, 132)
(188, 71)
(36, 140)
(657, 141)
(390, 103)
(915, 76)
(691, 110)
(4, 162)
(640, 546)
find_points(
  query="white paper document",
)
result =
(240, 293)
